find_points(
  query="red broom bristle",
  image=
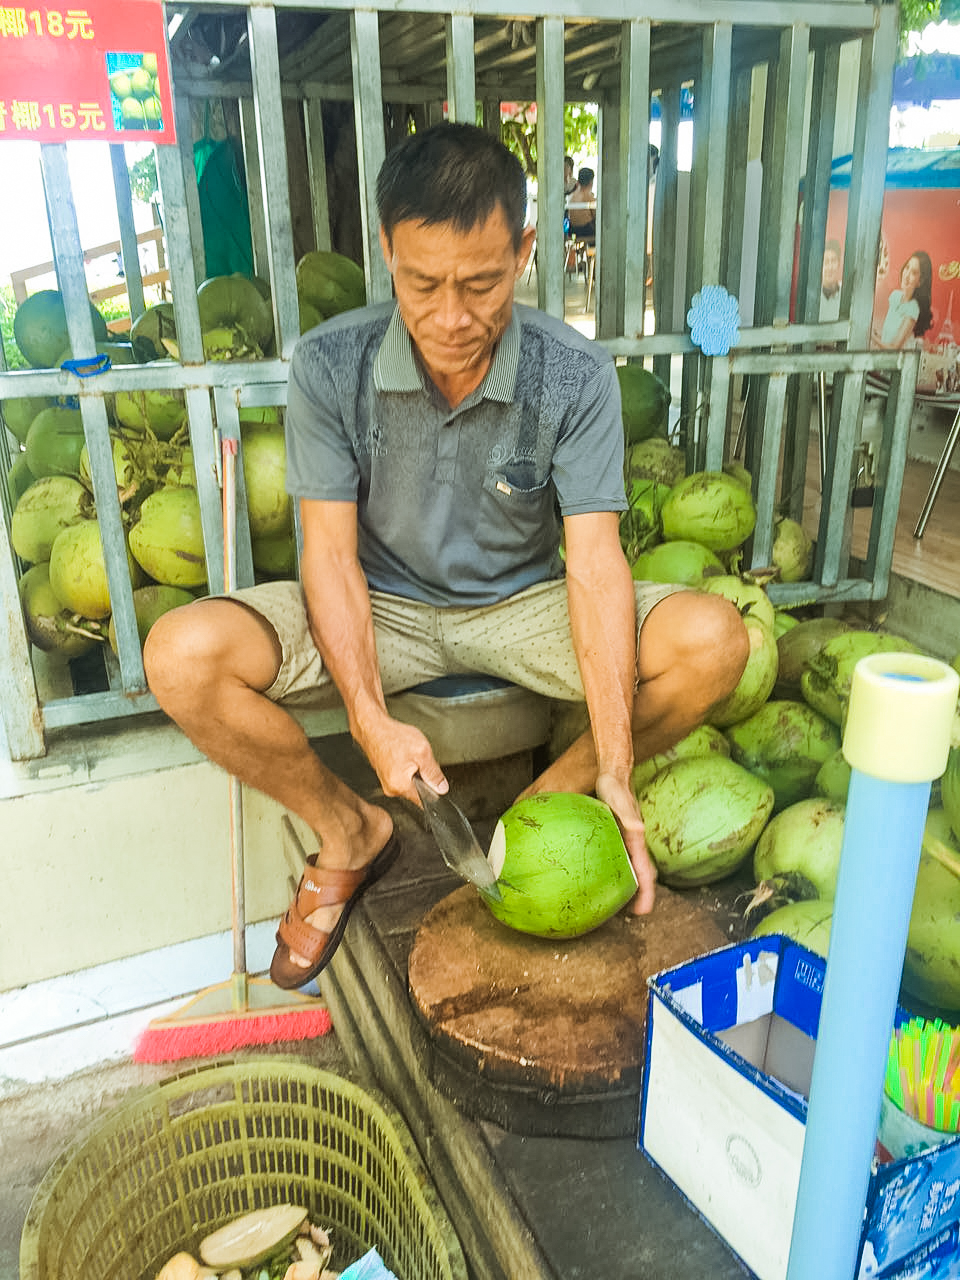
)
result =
(171, 1042)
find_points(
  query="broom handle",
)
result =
(238, 928)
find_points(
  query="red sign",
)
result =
(85, 69)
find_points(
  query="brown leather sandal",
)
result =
(322, 887)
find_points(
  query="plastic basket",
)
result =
(180, 1159)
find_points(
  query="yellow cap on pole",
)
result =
(901, 712)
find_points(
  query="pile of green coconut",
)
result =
(762, 786)
(54, 529)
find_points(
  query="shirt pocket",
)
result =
(517, 514)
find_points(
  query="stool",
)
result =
(474, 717)
(467, 718)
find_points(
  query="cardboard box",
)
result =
(730, 1044)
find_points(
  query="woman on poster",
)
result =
(909, 313)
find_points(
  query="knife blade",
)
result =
(459, 846)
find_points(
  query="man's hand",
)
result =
(397, 751)
(623, 804)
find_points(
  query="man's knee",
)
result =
(702, 634)
(173, 652)
(729, 642)
(201, 645)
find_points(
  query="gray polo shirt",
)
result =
(455, 506)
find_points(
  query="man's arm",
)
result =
(341, 623)
(603, 622)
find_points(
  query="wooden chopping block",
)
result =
(561, 1015)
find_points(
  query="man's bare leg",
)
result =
(692, 654)
(207, 665)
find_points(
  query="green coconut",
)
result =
(256, 417)
(803, 841)
(798, 645)
(756, 683)
(950, 790)
(128, 466)
(275, 556)
(310, 317)
(47, 507)
(709, 507)
(229, 342)
(702, 817)
(785, 743)
(167, 540)
(645, 403)
(561, 865)
(54, 442)
(640, 523)
(19, 478)
(931, 966)
(149, 604)
(180, 470)
(750, 599)
(269, 508)
(40, 328)
(235, 302)
(78, 570)
(833, 778)
(656, 459)
(783, 622)
(149, 330)
(702, 741)
(163, 412)
(825, 682)
(681, 562)
(739, 472)
(792, 550)
(329, 283)
(49, 625)
(805, 922)
(20, 411)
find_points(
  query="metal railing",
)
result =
(765, 84)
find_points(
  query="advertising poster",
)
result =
(917, 294)
(92, 70)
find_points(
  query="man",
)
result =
(569, 181)
(830, 282)
(583, 221)
(437, 446)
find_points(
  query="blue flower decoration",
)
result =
(714, 320)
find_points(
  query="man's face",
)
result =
(455, 289)
(831, 269)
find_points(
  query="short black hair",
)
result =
(585, 177)
(453, 173)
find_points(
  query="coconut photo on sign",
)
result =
(134, 91)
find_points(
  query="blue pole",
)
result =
(883, 829)
(897, 739)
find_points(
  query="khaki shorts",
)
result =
(525, 639)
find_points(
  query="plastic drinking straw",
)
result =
(896, 740)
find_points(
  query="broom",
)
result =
(244, 1011)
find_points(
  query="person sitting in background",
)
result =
(583, 221)
(569, 181)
